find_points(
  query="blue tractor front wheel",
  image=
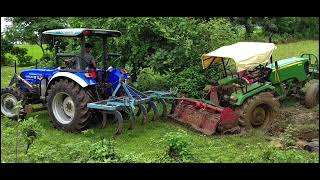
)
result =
(9, 100)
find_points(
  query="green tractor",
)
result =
(250, 94)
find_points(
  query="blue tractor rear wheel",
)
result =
(67, 106)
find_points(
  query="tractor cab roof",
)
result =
(246, 55)
(79, 32)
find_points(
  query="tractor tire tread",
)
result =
(15, 93)
(245, 108)
(80, 97)
(312, 95)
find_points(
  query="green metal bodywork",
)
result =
(291, 68)
(291, 73)
(252, 89)
(227, 80)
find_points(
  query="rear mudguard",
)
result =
(241, 97)
(77, 77)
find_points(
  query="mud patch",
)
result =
(305, 121)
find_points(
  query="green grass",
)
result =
(7, 74)
(296, 49)
(147, 144)
(33, 50)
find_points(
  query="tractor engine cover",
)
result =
(205, 118)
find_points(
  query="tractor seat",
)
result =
(244, 75)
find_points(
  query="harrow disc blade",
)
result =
(132, 119)
(119, 120)
(153, 106)
(164, 108)
(142, 109)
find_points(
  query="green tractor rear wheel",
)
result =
(312, 95)
(258, 111)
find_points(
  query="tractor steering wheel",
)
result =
(257, 68)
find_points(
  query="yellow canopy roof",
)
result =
(246, 55)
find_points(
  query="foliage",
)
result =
(33, 50)
(21, 54)
(6, 47)
(247, 22)
(284, 29)
(103, 151)
(288, 136)
(191, 81)
(47, 60)
(272, 155)
(177, 147)
(29, 29)
(148, 79)
(298, 27)
(31, 129)
(169, 44)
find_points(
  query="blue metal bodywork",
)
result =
(115, 76)
(34, 77)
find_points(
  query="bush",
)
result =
(191, 81)
(21, 54)
(288, 137)
(177, 147)
(48, 150)
(31, 129)
(166, 44)
(47, 60)
(103, 151)
(6, 47)
(148, 79)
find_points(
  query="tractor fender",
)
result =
(241, 98)
(76, 77)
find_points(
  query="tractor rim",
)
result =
(8, 104)
(63, 108)
(260, 115)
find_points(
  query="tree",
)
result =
(29, 29)
(166, 44)
(6, 47)
(248, 23)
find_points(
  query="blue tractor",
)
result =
(75, 96)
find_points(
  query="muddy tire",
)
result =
(9, 99)
(309, 83)
(67, 106)
(258, 111)
(312, 95)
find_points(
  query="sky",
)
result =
(4, 23)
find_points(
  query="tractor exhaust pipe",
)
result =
(15, 67)
(270, 41)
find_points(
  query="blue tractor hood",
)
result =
(34, 76)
